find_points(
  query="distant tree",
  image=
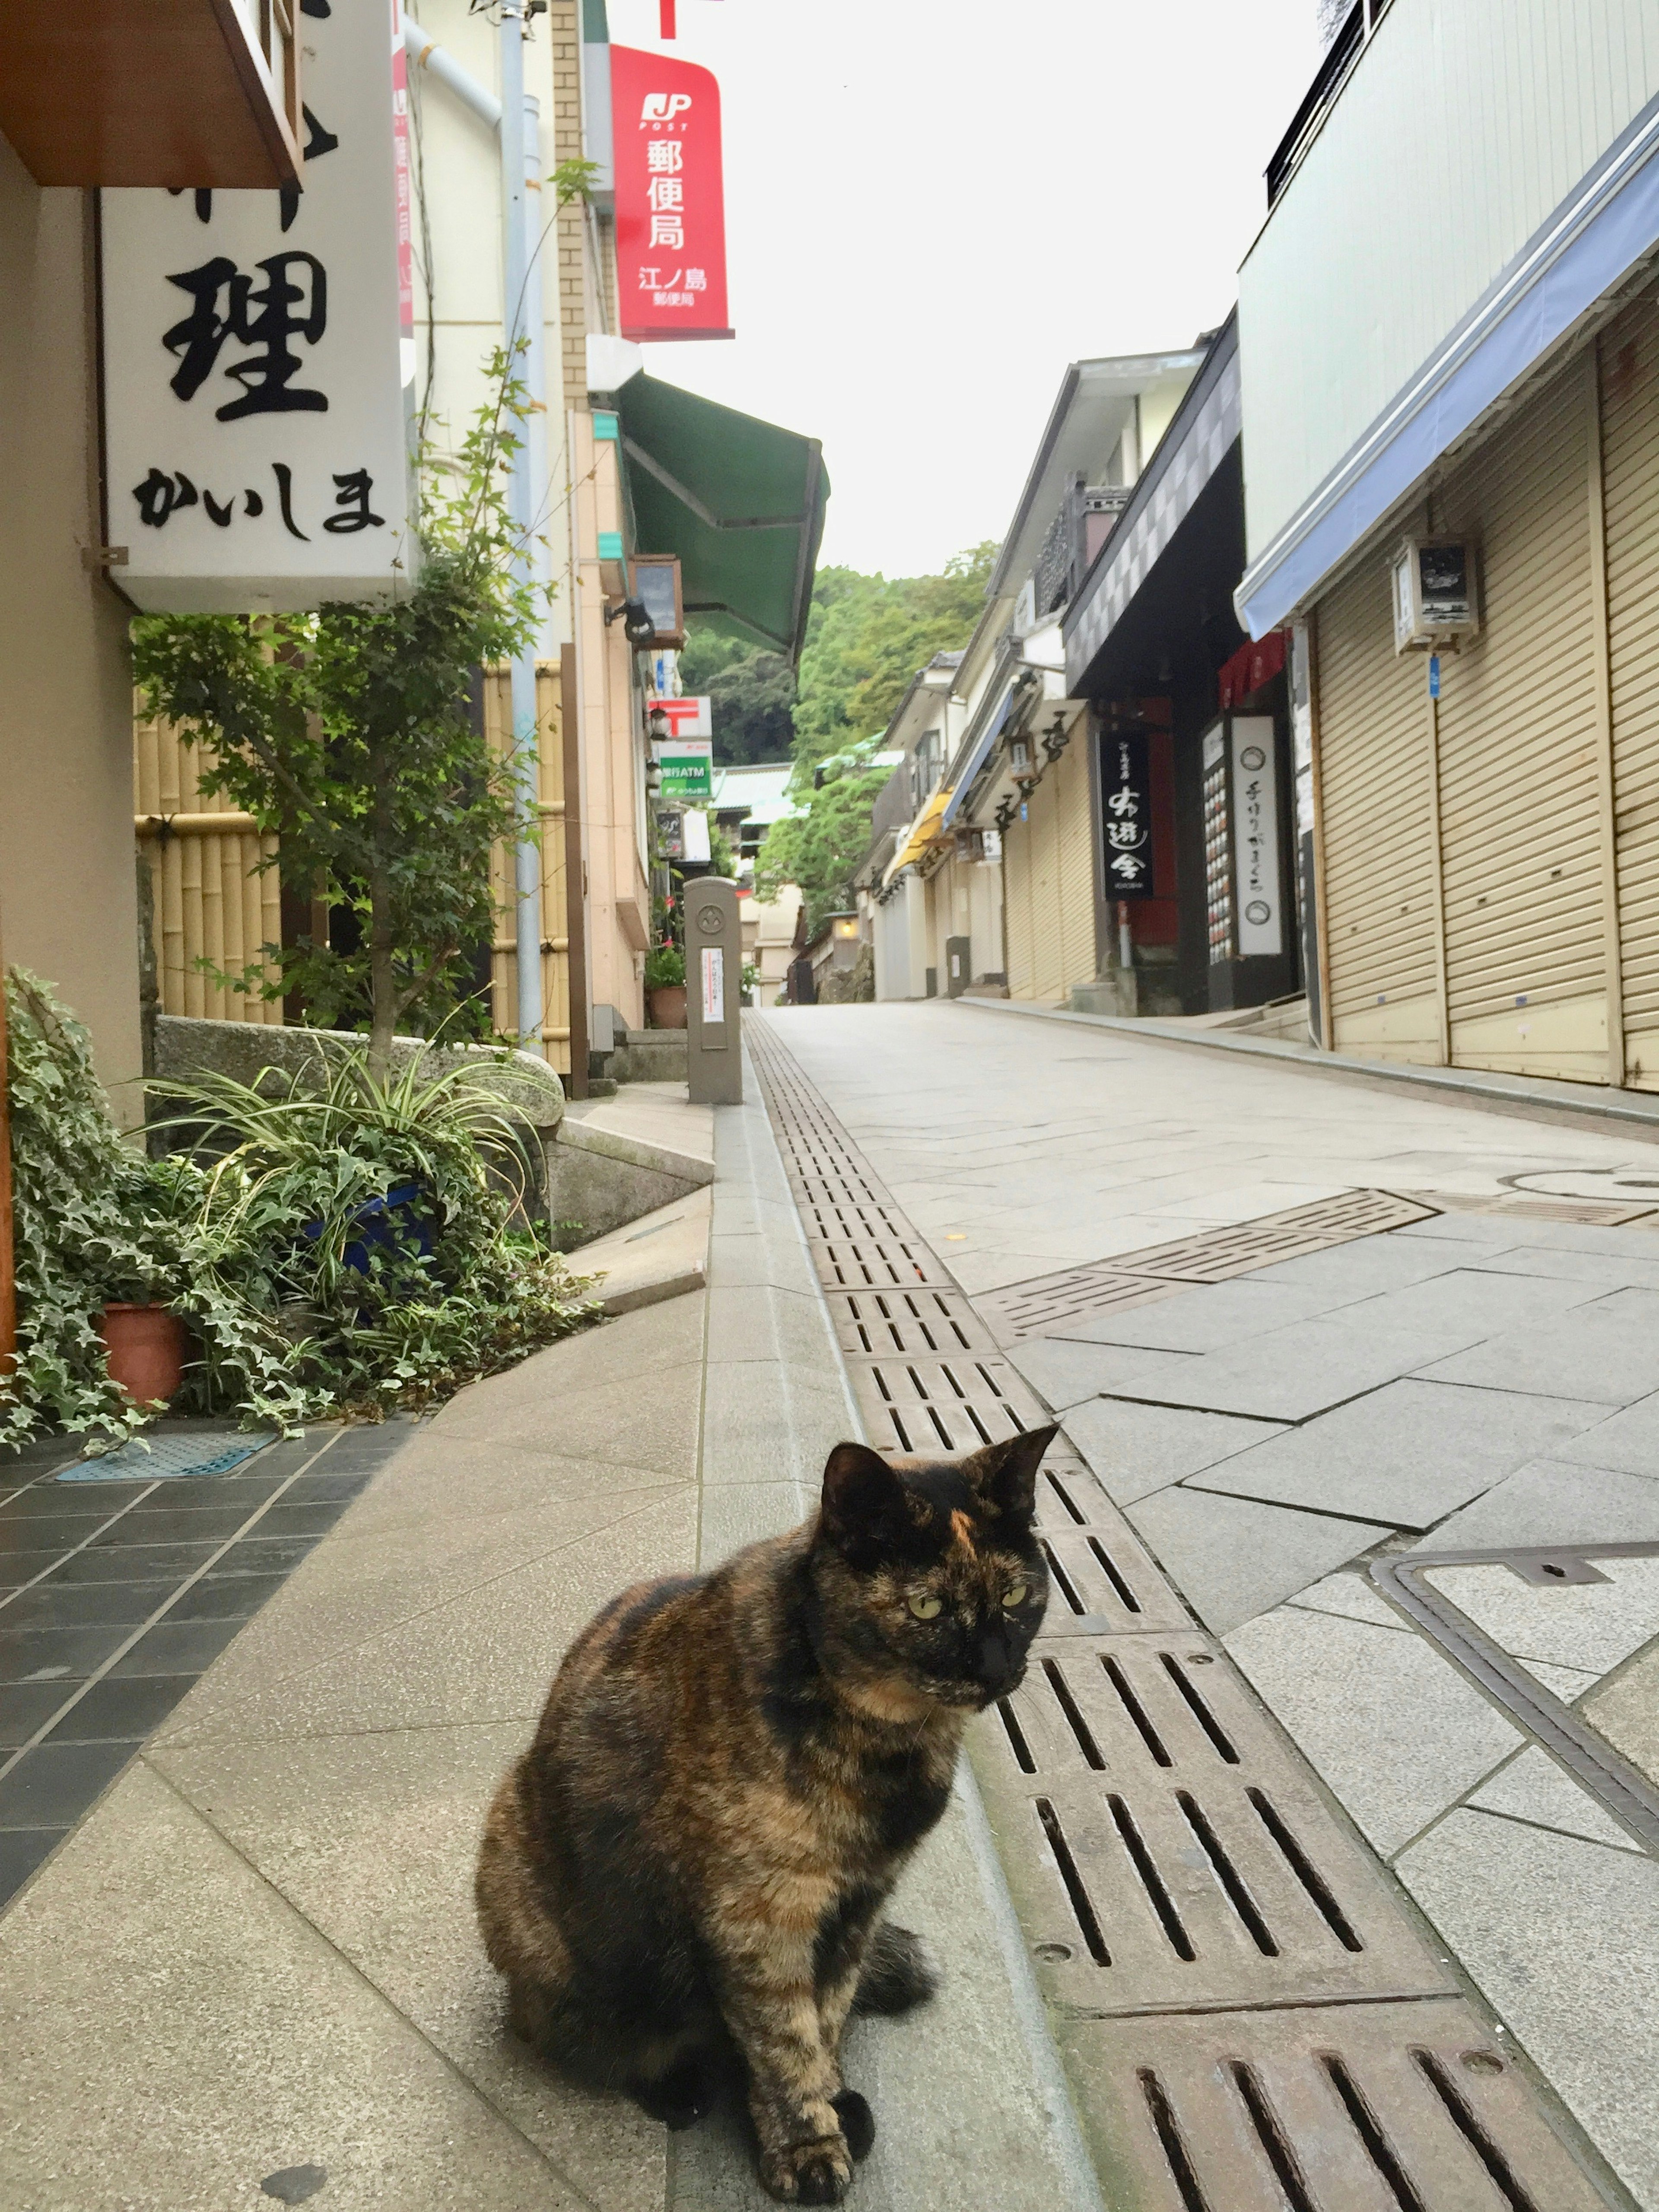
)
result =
(866, 638)
(751, 693)
(752, 704)
(820, 848)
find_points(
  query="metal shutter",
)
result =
(1048, 964)
(1630, 445)
(1379, 875)
(1017, 895)
(1521, 832)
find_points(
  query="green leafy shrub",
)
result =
(664, 964)
(246, 1235)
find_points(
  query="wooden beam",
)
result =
(173, 93)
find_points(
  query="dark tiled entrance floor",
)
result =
(114, 1597)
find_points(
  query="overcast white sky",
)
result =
(932, 205)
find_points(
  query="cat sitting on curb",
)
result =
(685, 1872)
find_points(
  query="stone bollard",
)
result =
(713, 975)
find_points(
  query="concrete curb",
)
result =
(662, 1255)
(582, 1136)
(1533, 1092)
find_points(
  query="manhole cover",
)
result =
(1410, 1580)
(1638, 1184)
(165, 1457)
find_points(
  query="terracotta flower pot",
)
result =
(146, 1347)
(668, 1006)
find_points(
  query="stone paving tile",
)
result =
(313, 1816)
(483, 1656)
(1353, 1596)
(1206, 1318)
(261, 2045)
(1552, 1501)
(1568, 1684)
(1466, 1307)
(1289, 1374)
(1529, 1914)
(1624, 1709)
(1231, 1559)
(1409, 1453)
(1606, 1351)
(1135, 1449)
(1611, 1270)
(1533, 1788)
(1393, 1729)
(1064, 1372)
(1628, 1440)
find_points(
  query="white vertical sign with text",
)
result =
(1261, 920)
(255, 353)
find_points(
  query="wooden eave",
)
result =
(173, 92)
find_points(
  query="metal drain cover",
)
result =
(1167, 1853)
(166, 1457)
(1350, 2108)
(1048, 1302)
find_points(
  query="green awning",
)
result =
(740, 500)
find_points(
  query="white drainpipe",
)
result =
(516, 117)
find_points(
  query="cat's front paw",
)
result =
(815, 2173)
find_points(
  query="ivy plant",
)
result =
(306, 1292)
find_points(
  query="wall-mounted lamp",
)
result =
(635, 619)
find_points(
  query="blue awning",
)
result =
(1605, 225)
(977, 759)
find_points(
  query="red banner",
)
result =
(671, 200)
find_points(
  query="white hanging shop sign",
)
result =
(256, 348)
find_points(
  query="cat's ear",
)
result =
(863, 1500)
(1004, 1475)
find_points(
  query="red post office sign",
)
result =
(670, 198)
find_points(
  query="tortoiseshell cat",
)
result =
(730, 1773)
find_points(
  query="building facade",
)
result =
(1453, 509)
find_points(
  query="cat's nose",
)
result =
(995, 1662)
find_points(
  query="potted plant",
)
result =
(145, 1346)
(665, 987)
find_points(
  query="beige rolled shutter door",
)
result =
(1521, 835)
(1017, 919)
(1630, 445)
(1048, 950)
(1379, 882)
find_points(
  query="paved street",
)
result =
(1467, 1381)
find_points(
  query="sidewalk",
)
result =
(254, 1962)
(1299, 1329)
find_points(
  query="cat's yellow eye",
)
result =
(926, 1608)
(1015, 1595)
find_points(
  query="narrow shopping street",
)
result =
(1461, 1356)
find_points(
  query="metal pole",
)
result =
(521, 507)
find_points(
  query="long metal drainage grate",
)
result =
(1250, 2018)
(1044, 1304)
